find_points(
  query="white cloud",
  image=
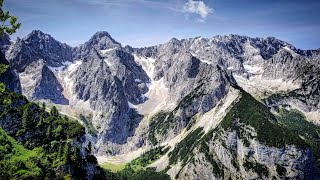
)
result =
(197, 7)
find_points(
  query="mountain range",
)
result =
(222, 107)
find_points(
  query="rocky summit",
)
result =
(200, 108)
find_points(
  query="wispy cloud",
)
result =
(147, 3)
(188, 7)
(199, 8)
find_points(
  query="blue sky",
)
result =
(148, 22)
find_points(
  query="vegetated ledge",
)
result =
(52, 141)
(255, 114)
(137, 169)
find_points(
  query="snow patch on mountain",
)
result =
(156, 95)
(68, 85)
(290, 50)
(64, 75)
(132, 106)
(146, 63)
(205, 61)
(201, 59)
(72, 67)
(105, 51)
(56, 69)
(60, 68)
(253, 69)
(107, 62)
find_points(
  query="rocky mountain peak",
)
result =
(38, 45)
(37, 35)
(44, 41)
(101, 34)
(103, 40)
(173, 40)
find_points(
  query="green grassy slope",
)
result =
(50, 134)
(17, 162)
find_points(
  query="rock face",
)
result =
(5, 42)
(39, 82)
(232, 51)
(240, 148)
(306, 97)
(110, 81)
(234, 160)
(134, 97)
(9, 77)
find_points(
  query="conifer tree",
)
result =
(9, 23)
(40, 120)
(48, 134)
(66, 151)
(54, 111)
(26, 118)
(43, 106)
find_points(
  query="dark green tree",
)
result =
(2, 87)
(59, 152)
(43, 106)
(54, 111)
(26, 118)
(48, 134)
(66, 152)
(75, 157)
(3, 69)
(40, 120)
(9, 23)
